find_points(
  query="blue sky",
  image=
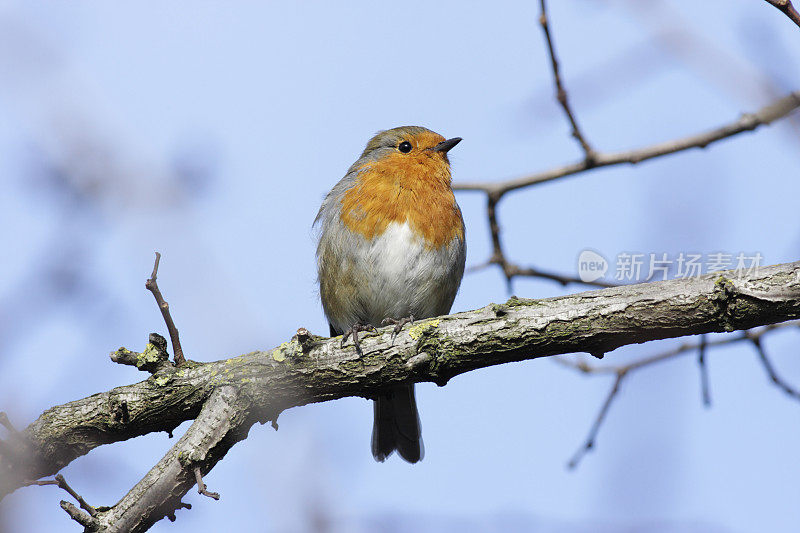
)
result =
(211, 132)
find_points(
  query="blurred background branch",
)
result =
(620, 372)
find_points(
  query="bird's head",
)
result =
(408, 149)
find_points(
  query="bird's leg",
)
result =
(354, 329)
(398, 324)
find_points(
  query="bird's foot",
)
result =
(354, 330)
(398, 324)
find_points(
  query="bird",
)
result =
(391, 249)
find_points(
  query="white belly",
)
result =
(399, 276)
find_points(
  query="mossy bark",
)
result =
(264, 383)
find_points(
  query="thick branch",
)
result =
(747, 122)
(221, 424)
(235, 393)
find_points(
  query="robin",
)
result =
(391, 249)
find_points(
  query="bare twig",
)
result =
(681, 349)
(62, 483)
(201, 487)
(79, 516)
(786, 7)
(601, 416)
(753, 335)
(701, 362)
(780, 383)
(495, 190)
(512, 270)
(773, 111)
(153, 359)
(6, 423)
(124, 356)
(561, 92)
(152, 286)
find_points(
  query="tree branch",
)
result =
(773, 375)
(588, 444)
(152, 286)
(495, 190)
(226, 397)
(622, 371)
(222, 423)
(705, 390)
(561, 92)
(747, 122)
(62, 483)
(512, 270)
(786, 7)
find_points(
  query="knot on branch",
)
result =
(499, 310)
(119, 410)
(153, 358)
(300, 344)
(181, 505)
(305, 340)
(419, 361)
(723, 300)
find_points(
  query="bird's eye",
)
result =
(404, 147)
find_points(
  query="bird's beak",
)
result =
(445, 146)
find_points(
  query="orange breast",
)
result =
(402, 188)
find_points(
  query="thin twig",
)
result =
(773, 375)
(80, 517)
(495, 191)
(701, 362)
(590, 438)
(201, 487)
(62, 483)
(753, 335)
(775, 110)
(497, 246)
(152, 286)
(512, 270)
(152, 359)
(786, 7)
(682, 349)
(561, 92)
(6, 423)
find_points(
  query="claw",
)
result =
(398, 324)
(354, 329)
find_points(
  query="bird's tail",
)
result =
(397, 426)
